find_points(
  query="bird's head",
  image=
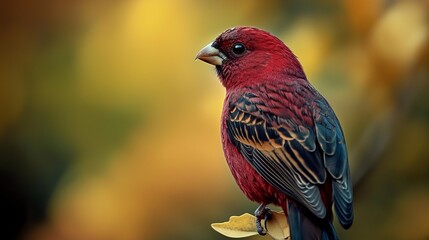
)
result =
(245, 55)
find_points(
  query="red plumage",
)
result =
(281, 139)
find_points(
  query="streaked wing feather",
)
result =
(299, 190)
(281, 150)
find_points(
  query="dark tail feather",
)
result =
(304, 225)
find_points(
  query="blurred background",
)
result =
(109, 129)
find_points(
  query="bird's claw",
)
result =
(262, 212)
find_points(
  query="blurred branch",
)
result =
(393, 63)
(379, 134)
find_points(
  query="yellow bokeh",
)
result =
(109, 127)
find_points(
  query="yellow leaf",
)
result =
(237, 226)
(277, 226)
(245, 226)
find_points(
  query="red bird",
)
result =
(281, 139)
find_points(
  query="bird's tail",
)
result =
(304, 225)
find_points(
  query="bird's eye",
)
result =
(238, 48)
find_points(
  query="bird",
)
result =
(281, 139)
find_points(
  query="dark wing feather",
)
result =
(292, 155)
(282, 150)
(331, 139)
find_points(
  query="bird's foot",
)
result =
(262, 212)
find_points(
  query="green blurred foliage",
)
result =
(110, 130)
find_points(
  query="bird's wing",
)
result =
(294, 146)
(331, 140)
(283, 150)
